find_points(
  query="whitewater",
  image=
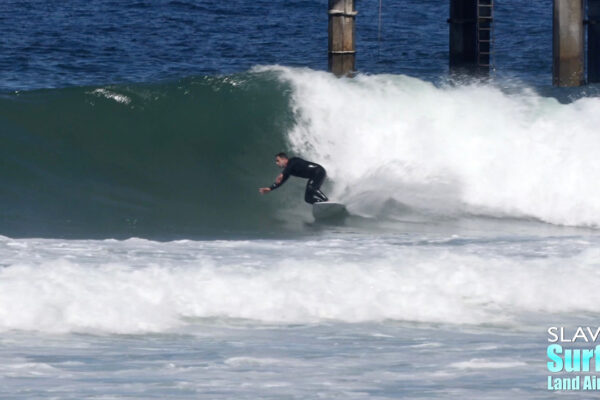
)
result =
(139, 286)
(474, 149)
(474, 227)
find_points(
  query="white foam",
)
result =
(471, 149)
(145, 293)
(244, 361)
(481, 363)
(22, 368)
(119, 98)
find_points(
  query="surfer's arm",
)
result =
(281, 178)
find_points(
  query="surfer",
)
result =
(301, 168)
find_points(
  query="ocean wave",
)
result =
(185, 158)
(142, 286)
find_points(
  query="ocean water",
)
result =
(137, 259)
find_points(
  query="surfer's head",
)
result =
(281, 159)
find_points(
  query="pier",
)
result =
(471, 39)
(470, 36)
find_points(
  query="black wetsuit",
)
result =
(305, 169)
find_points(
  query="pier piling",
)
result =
(567, 48)
(470, 36)
(593, 48)
(342, 51)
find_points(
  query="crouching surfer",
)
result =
(296, 166)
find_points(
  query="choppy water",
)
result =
(138, 260)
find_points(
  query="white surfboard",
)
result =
(329, 210)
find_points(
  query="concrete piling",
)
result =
(567, 34)
(342, 51)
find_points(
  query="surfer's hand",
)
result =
(264, 190)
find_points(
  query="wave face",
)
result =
(186, 158)
(394, 142)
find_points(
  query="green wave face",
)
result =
(175, 159)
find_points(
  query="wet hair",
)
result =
(281, 155)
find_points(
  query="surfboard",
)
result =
(329, 210)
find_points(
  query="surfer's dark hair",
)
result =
(281, 155)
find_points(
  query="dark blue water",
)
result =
(51, 43)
